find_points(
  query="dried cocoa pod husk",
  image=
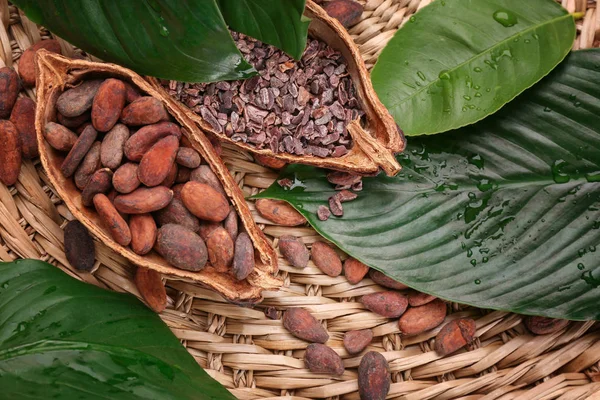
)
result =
(374, 146)
(56, 74)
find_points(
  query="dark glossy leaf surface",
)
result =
(457, 61)
(62, 338)
(279, 23)
(504, 214)
(171, 39)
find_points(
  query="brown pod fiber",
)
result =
(57, 74)
(371, 150)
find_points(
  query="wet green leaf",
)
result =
(457, 61)
(504, 214)
(62, 338)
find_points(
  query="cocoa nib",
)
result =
(301, 108)
(323, 213)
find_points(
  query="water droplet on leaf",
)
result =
(505, 18)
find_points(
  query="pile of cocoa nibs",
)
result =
(300, 108)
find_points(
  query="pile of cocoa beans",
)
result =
(148, 184)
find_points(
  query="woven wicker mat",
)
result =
(255, 357)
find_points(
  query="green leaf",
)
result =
(458, 61)
(62, 338)
(170, 39)
(279, 23)
(504, 214)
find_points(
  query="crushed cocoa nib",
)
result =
(345, 195)
(285, 182)
(335, 206)
(301, 108)
(323, 213)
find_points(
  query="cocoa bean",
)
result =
(144, 110)
(112, 220)
(140, 142)
(126, 179)
(108, 104)
(79, 246)
(206, 228)
(294, 251)
(383, 280)
(181, 247)
(231, 224)
(100, 182)
(23, 117)
(10, 153)
(300, 323)
(89, 165)
(205, 202)
(354, 270)
(75, 122)
(144, 200)
(243, 260)
(326, 259)
(269, 162)
(373, 377)
(143, 233)
(388, 304)
(420, 319)
(150, 286)
(59, 137)
(171, 176)
(158, 161)
(176, 213)
(27, 60)
(343, 178)
(319, 358)
(356, 341)
(112, 146)
(79, 151)
(9, 90)
(348, 12)
(416, 299)
(204, 174)
(544, 326)
(454, 335)
(183, 174)
(221, 250)
(279, 212)
(131, 93)
(188, 158)
(76, 101)
(83, 127)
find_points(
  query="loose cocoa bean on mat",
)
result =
(417, 320)
(27, 60)
(543, 325)
(373, 377)
(381, 279)
(150, 286)
(79, 246)
(294, 251)
(319, 358)
(23, 117)
(387, 304)
(181, 247)
(454, 335)
(279, 212)
(354, 270)
(300, 323)
(356, 341)
(10, 153)
(326, 259)
(348, 12)
(416, 299)
(9, 90)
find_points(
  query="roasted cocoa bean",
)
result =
(181, 247)
(108, 104)
(9, 90)
(454, 335)
(300, 323)
(79, 246)
(144, 200)
(387, 304)
(171, 176)
(231, 224)
(75, 102)
(416, 299)
(243, 260)
(126, 179)
(152, 289)
(279, 212)
(294, 251)
(323, 213)
(144, 110)
(183, 174)
(89, 165)
(100, 182)
(75, 122)
(27, 60)
(158, 161)
(356, 341)
(59, 137)
(143, 233)
(354, 270)
(80, 149)
(221, 250)
(204, 174)
(383, 280)
(373, 377)
(140, 142)
(205, 202)
(348, 12)
(131, 93)
(83, 127)
(23, 117)
(206, 228)
(10, 153)
(326, 259)
(543, 325)
(420, 319)
(319, 358)
(112, 146)
(188, 158)
(112, 220)
(176, 213)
